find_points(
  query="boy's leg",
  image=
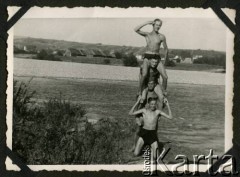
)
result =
(154, 155)
(139, 77)
(163, 73)
(144, 96)
(138, 127)
(158, 91)
(139, 146)
(139, 123)
(143, 75)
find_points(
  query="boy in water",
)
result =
(148, 134)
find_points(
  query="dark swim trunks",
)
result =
(152, 56)
(148, 136)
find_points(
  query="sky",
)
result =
(181, 33)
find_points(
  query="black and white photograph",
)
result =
(103, 90)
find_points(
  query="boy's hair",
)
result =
(151, 99)
(154, 58)
(157, 19)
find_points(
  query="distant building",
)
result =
(58, 52)
(139, 57)
(112, 54)
(98, 53)
(55, 52)
(30, 48)
(72, 52)
(82, 51)
(109, 54)
(187, 60)
(195, 57)
(88, 52)
(177, 59)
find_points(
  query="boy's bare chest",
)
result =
(151, 116)
(154, 38)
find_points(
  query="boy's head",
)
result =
(151, 84)
(152, 103)
(157, 23)
(154, 62)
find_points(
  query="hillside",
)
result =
(50, 44)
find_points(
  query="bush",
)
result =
(21, 97)
(178, 60)
(19, 51)
(118, 55)
(60, 53)
(43, 55)
(170, 63)
(58, 132)
(106, 61)
(130, 60)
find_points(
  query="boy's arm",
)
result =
(132, 111)
(169, 116)
(137, 29)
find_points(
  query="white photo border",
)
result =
(107, 12)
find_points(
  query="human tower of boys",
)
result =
(152, 94)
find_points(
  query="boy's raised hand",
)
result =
(165, 100)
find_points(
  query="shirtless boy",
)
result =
(148, 134)
(153, 75)
(150, 93)
(154, 40)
